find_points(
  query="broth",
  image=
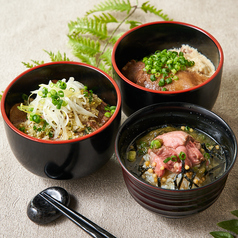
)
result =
(212, 165)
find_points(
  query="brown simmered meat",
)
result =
(133, 70)
(16, 116)
(101, 118)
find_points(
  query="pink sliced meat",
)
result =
(159, 156)
(193, 153)
(174, 139)
(173, 143)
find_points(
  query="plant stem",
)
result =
(114, 31)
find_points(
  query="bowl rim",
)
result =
(20, 133)
(176, 104)
(219, 68)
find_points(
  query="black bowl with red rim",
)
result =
(147, 38)
(63, 159)
(173, 203)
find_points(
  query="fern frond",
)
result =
(114, 39)
(133, 23)
(88, 25)
(106, 57)
(1, 96)
(146, 7)
(106, 18)
(35, 63)
(104, 68)
(85, 58)
(83, 44)
(111, 5)
(57, 57)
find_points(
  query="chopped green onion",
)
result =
(50, 134)
(152, 77)
(174, 158)
(182, 155)
(207, 155)
(187, 128)
(155, 144)
(167, 160)
(112, 107)
(107, 114)
(55, 101)
(22, 129)
(62, 85)
(60, 102)
(36, 118)
(168, 80)
(53, 92)
(161, 82)
(110, 110)
(61, 93)
(165, 62)
(64, 104)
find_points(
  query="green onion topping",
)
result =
(109, 110)
(155, 144)
(172, 158)
(165, 62)
(182, 155)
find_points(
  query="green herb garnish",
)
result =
(167, 63)
(172, 158)
(182, 155)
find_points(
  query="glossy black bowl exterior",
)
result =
(67, 159)
(144, 40)
(166, 202)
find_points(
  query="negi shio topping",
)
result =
(63, 110)
(166, 63)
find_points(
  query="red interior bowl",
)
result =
(144, 40)
(67, 159)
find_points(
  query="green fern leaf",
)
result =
(146, 7)
(112, 5)
(86, 45)
(133, 23)
(90, 26)
(114, 39)
(35, 63)
(57, 57)
(28, 65)
(85, 58)
(1, 96)
(106, 18)
(104, 68)
(106, 57)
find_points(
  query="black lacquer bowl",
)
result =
(166, 202)
(68, 159)
(144, 40)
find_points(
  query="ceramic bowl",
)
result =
(66, 159)
(166, 202)
(144, 40)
